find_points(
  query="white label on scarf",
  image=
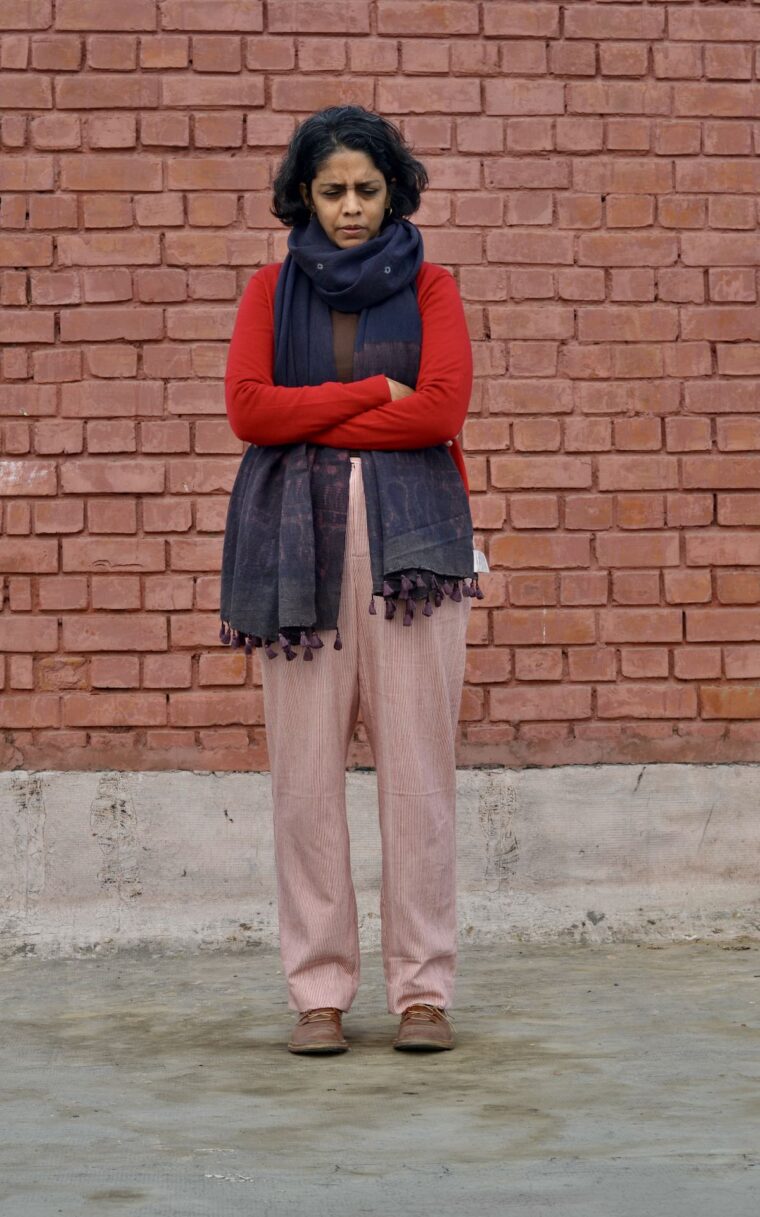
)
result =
(480, 562)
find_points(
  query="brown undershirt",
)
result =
(344, 336)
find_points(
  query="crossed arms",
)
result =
(354, 414)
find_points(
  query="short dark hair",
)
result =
(319, 135)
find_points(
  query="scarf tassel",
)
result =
(310, 640)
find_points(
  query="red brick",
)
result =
(720, 100)
(528, 246)
(115, 632)
(738, 586)
(424, 18)
(591, 663)
(721, 248)
(636, 587)
(654, 397)
(629, 134)
(516, 19)
(688, 586)
(544, 625)
(613, 21)
(115, 671)
(572, 58)
(579, 211)
(730, 701)
(639, 511)
(640, 663)
(486, 433)
(634, 625)
(28, 556)
(623, 59)
(621, 249)
(524, 704)
(714, 24)
(726, 548)
(642, 549)
(647, 701)
(632, 284)
(725, 396)
(617, 97)
(681, 286)
(524, 58)
(588, 435)
(723, 625)
(721, 471)
(687, 434)
(713, 174)
(638, 472)
(730, 211)
(523, 97)
(588, 587)
(532, 589)
(741, 662)
(689, 510)
(536, 435)
(688, 359)
(592, 511)
(215, 709)
(539, 550)
(490, 665)
(529, 207)
(740, 359)
(534, 511)
(28, 712)
(697, 663)
(638, 434)
(529, 472)
(655, 324)
(677, 62)
(23, 633)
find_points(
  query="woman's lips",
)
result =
(358, 228)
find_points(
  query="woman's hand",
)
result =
(398, 389)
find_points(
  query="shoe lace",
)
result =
(320, 1014)
(422, 1011)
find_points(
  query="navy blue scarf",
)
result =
(284, 541)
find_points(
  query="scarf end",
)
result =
(309, 639)
(454, 588)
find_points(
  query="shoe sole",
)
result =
(422, 1045)
(317, 1049)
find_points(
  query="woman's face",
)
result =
(349, 191)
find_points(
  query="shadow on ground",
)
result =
(615, 1080)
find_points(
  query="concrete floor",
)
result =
(589, 1081)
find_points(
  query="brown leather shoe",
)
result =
(319, 1030)
(425, 1026)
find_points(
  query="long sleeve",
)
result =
(436, 411)
(261, 412)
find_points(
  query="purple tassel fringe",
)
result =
(310, 641)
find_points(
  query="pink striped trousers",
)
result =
(408, 682)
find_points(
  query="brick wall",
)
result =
(594, 176)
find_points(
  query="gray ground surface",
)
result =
(588, 1081)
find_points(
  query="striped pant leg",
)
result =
(310, 712)
(410, 687)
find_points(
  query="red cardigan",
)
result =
(358, 413)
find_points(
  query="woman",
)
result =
(349, 373)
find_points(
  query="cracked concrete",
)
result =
(607, 1080)
(589, 854)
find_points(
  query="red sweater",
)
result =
(358, 413)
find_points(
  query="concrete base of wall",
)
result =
(99, 861)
